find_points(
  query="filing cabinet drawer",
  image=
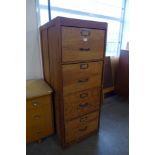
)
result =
(82, 44)
(81, 127)
(39, 118)
(38, 103)
(37, 133)
(82, 76)
(81, 103)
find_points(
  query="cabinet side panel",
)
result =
(45, 55)
(56, 79)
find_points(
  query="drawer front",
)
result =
(81, 103)
(37, 133)
(81, 127)
(37, 103)
(39, 118)
(82, 76)
(82, 44)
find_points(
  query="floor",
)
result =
(112, 139)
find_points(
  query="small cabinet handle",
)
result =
(83, 80)
(36, 116)
(35, 104)
(83, 129)
(83, 95)
(83, 66)
(39, 132)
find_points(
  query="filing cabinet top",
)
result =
(37, 88)
(63, 21)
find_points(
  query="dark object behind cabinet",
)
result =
(73, 53)
(108, 79)
(122, 74)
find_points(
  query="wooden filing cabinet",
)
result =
(39, 110)
(73, 53)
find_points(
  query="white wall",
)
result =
(33, 52)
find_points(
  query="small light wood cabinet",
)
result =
(39, 110)
(73, 54)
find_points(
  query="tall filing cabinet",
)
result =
(73, 53)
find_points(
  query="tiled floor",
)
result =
(112, 139)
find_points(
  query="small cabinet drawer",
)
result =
(82, 44)
(81, 127)
(82, 76)
(40, 118)
(38, 133)
(38, 103)
(81, 103)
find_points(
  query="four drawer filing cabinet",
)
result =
(73, 53)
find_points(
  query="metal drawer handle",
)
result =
(35, 104)
(83, 66)
(39, 132)
(83, 129)
(83, 119)
(83, 95)
(83, 80)
(85, 32)
(81, 105)
(84, 49)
